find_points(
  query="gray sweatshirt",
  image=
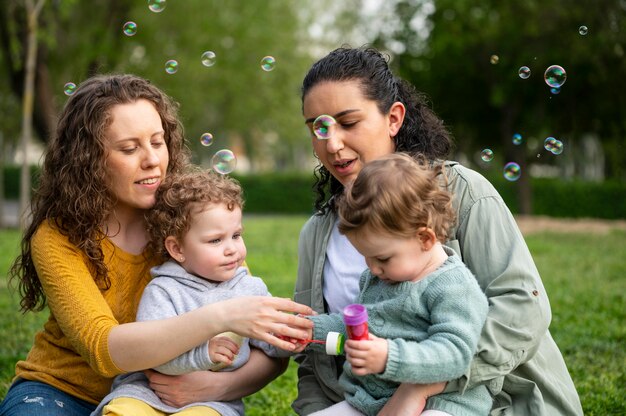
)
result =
(171, 292)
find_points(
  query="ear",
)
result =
(427, 238)
(174, 248)
(396, 118)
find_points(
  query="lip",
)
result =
(344, 166)
(155, 184)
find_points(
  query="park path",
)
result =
(528, 224)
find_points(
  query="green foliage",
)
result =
(584, 275)
(485, 104)
(289, 193)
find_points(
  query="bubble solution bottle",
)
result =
(355, 319)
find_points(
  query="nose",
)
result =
(334, 143)
(229, 247)
(151, 158)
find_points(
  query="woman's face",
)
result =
(362, 133)
(137, 155)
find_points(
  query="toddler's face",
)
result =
(213, 247)
(392, 258)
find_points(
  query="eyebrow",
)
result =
(339, 114)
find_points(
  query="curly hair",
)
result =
(182, 195)
(72, 193)
(422, 132)
(396, 195)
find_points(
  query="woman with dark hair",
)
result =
(376, 114)
(84, 257)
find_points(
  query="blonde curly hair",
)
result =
(180, 196)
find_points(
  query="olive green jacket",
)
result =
(516, 358)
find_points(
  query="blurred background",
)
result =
(481, 63)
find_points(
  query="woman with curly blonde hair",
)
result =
(84, 257)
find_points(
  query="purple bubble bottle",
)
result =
(355, 318)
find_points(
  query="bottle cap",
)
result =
(334, 343)
(354, 314)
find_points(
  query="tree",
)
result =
(486, 103)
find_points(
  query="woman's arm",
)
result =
(140, 345)
(201, 386)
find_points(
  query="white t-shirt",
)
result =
(342, 270)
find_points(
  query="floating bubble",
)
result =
(69, 88)
(557, 148)
(208, 58)
(524, 72)
(130, 28)
(517, 139)
(555, 76)
(171, 66)
(494, 59)
(555, 90)
(512, 171)
(224, 161)
(156, 6)
(583, 30)
(268, 63)
(324, 127)
(549, 143)
(206, 139)
(486, 155)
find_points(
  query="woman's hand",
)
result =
(265, 318)
(178, 391)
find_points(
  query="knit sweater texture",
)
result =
(71, 351)
(432, 327)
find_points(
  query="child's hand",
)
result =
(367, 357)
(223, 349)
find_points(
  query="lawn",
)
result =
(584, 274)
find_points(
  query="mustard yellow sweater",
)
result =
(71, 351)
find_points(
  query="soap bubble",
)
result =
(208, 58)
(486, 155)
(512, 171)
(555, 90)
(268, 63)
(156, 6)
(130, 28)
(557, 148)
(583, 30)
(224, 161)
(324, 127)
(494, 59)
(206, 139)
(69, 88)
(549, 143)
(524, 72)
(555, 76)
(171, 66)
(517, 139)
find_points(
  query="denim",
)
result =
(33, 398)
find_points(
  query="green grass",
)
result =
(584, 275)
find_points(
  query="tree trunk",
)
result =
(32, 11)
